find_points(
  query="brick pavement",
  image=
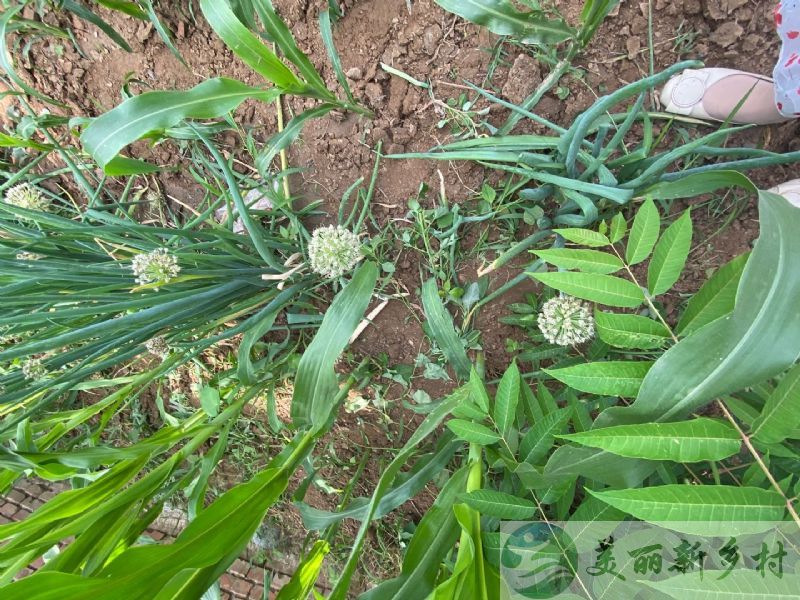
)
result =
(243, 581)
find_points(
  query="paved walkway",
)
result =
(244, 580)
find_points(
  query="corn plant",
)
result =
(151, 113)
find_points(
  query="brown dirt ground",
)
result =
(433, 45)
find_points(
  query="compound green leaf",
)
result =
(500, 505)
(630, 331)
(588, 261)
(619, 227)
(610, 378)
(670, 255)
(507, 399)
(755, 342)
(474, 433)
(699, 509)
(603, 289)
(538, 440)
(688, 441)
(478, 391)
(584, 237)
(781, 414)
(741, 584)
(644, 233)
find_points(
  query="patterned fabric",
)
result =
(787, 72)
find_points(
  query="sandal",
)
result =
(789, 190)
(715, 93)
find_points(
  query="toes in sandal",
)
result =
(684, 95)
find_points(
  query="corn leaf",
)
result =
(500, 17)
(316, 384)
(151, 112)
(408, 485)
(249, 47)
(428, 426)
(280, 34)
(6, 63)
(442, 330)
(715, 299)
(431, 544)
(327, 38)
(306, 574)
(85, 13)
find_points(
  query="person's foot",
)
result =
(715, 93)
(789, 190)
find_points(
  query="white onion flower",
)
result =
(566, 321)
(158, 266)
(24, 255)
(157, 346)
(26, 196)
(33, 369)
(333, 251)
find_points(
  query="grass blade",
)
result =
(333, 55)
(443, 331)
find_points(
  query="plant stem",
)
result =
(745, 438)
(284, 159)
(647, 298)
(473, 484)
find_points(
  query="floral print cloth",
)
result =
(787, 71)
